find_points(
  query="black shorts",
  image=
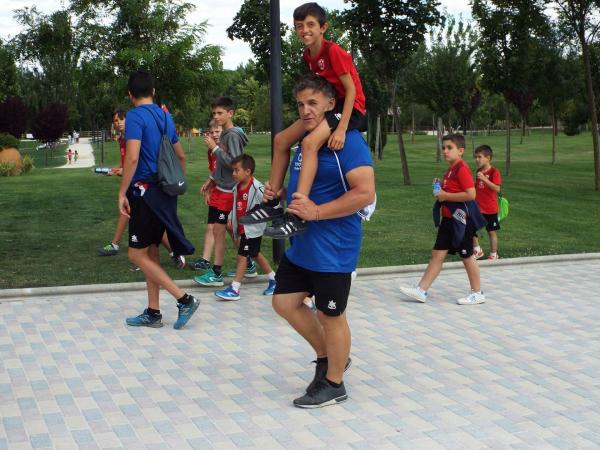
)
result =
(249, 246)
(331, 289)
(145, 228)
(215, 215)
(493, 224)
(358, 121)
(445, 235)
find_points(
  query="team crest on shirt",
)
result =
(321, 64)
(245, 196)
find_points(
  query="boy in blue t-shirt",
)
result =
(150, 211)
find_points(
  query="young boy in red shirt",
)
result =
(487, 186)
(457, 192)
(329, 60)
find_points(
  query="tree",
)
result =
(51, 122)
(8, 74)
(387, 32)
(580, 17)
(14, 116)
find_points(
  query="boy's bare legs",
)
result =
(263, 263)
(311, 145)
(493, 236)
(240, 268)
(165, 242)
(209, 242)
(282, 143)
(148, 261)
(336, 333)
(122, 222)
(219, 238)
(302, 319)
(152, 287)
(472, 269)
(433, 269)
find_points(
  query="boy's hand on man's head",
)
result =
(337, 139)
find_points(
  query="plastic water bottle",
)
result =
(437, 187)
(102, 170)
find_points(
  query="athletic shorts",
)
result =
(221, 200)
(445, 235)
(493, 224)
(145, 228)
(358, 121)
(216, 215)
(330, 289)
(249, 246)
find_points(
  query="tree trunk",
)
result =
(522, 128)
(440, 135)
(592, 105)
(378, 139)
(554, 127)
(412, 133)
(507, 168)
(402, 150)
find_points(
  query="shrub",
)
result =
(8, 140)
(6, 168)
(27, 164)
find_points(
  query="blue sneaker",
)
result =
(250, 272)
(186, 312)
(145, 319)
(210, 278)
(199, 264)
(228, 294)
(270, 288)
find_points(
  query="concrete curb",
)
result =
(371, 272)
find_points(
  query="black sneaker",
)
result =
(322, 394)
(321, 371)
(289, 225)
(264, 212)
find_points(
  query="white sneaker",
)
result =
(474, 298)
(414, 292)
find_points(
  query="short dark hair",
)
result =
(486, 150)
(457, 139)
(316, 83)
(118, 112)
(223, 102)
(140, 84)
(246, 161)
(311, 9)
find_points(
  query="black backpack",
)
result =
(171, 178)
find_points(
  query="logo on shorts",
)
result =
(134, 238)
(331, 304)
(321, 64)
(463, 252)
(246, 248)
(495, 224)
(221, 216)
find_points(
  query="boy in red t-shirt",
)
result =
(457, 187)
(247, 192)
(329, 60)
(487, 186)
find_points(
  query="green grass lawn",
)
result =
(52, 220)
(45, 158)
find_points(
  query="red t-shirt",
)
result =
(332, 62)
(487, 199)
(456, 179)
(122, 148)
(212, 161)
(242, 204)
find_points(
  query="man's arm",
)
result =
(129, 166)
(361, 193)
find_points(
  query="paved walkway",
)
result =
(521, 371)
(86, 155)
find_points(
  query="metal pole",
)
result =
(102, 146)
(276, 97)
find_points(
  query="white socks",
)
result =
(236, 286)
(271, 276)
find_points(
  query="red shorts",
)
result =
(221, 200)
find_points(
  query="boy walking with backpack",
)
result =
(330, 61)
(151, 211)
(487, 186)
(248, 192)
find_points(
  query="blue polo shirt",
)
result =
(329, 245)
(142, 124)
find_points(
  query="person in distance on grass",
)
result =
(247, 193)
(151, 212)
(487, 186)
(233, 141)
(321, 260)
(333, 63)
(460, 220)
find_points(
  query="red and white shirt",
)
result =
(487, 199)
(212, 161)
(331, 62)
(456, 179)
(242, 203)
(122, 148)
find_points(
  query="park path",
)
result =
(518, 372)
(86, 155)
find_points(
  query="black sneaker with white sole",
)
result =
(264, 212)
(321, 370)
(322, 394)
(289, 225)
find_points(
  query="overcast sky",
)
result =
(235, 52)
